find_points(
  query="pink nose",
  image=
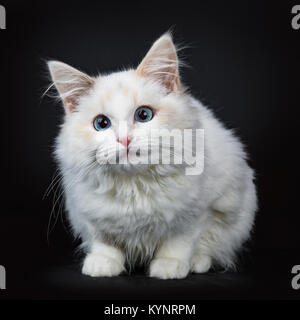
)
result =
(124, 140)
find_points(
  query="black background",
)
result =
(244, 60)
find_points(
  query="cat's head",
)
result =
(112, 117)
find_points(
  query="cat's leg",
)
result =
(172, 260)
(103, 261)
(232, 220)
(201, 262)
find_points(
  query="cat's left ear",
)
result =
(70, 83)
(161, 63)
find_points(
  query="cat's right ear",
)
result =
(70, 83)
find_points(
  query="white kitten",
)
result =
(127, 213)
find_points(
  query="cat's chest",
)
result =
(137, 198)
(142, 200)
(131, 209)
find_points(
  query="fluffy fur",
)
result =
(128, 214)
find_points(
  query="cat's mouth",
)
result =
(130, 154)
(133, 156)
(136, 153)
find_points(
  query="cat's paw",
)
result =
(97, 265)
(201, 263)
(169, 268)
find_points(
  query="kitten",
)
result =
(128, 213)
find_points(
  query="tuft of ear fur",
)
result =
(70, 83)
(161, 63)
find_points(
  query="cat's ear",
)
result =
(70, 83)
(161, 63)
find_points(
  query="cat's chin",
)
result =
(129, 168)
(143, 169)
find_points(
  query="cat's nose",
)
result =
(124, 140)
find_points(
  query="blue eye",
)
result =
(101, 122)
(143, 114)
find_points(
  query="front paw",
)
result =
(97, 265)
(169, 268)
(201, 264)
